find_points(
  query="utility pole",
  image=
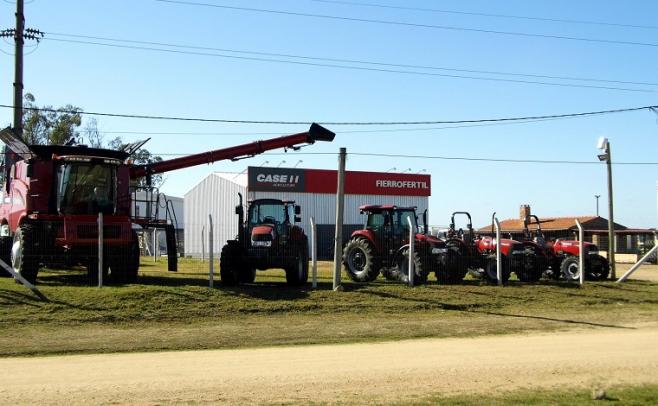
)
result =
(20, 34)
(604, 145)
(340, 205)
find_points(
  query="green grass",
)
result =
(640, 395)
(168, 311)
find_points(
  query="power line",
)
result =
(336, 123)
(448, 158)
(360, 68)
(355, 61)
(377, 130)
(470, 13)
(417, 25)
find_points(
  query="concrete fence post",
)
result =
(638, 264)
(499, 254)
(581, 249)
(314, 253)
(211, 259)
(412, 251)
(100, 250)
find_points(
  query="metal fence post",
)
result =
(638, 264)
(581, 248)
(100, 250)
(22, 280)
(211, 260)
(499, 254)
(412, 251)
(203, 244)
(314, 252)
(155, 249)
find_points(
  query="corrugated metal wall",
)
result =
(217, 196)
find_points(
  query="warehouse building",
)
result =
(313, 189)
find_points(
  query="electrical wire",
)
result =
(470, 13)
(408, 24)
(340, 123)
(353, 61)
(361, 68)
(448, 158)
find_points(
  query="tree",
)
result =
(141, 157)
(46, 125)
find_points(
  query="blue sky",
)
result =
(119, 80)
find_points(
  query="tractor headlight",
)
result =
(439, 250)
(261, 243)
(518, 252)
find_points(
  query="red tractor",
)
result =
(462, 253)
(53, 195)
(383, 246)
(268, 239)
(562, 255)
(525, 259)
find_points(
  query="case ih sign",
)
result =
(324, 181)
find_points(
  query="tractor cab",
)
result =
(269, 219)
(388, 225)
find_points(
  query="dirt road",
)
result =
(381, 372)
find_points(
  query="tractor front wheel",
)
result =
(570, 268)
(23, 253)
(529, 270)
(5, 255)
(491, 269)
(297, 274)
(598, 269)
(359, 260)
(421, 267)
(452, 268)
(229, 264)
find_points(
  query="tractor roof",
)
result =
(375, 208)
(271, 201)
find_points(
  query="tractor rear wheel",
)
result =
(491, 269)
(570, 268)
(359, 260)
(297, 273)
(598, 269)
(5, 255)
(530, 269)
(421, 267)
(23, 253)
(453, 267)
(229, 264)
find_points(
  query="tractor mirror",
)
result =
(298, 210)
(298, 219)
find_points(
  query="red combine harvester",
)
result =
(268, 239)
(383, 246)
(562, 255)
(53, 195)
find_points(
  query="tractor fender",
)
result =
(398, 253)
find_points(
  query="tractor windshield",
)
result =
(86, 188)
(267, 212)
(400, 222)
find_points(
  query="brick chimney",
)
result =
(524, 212)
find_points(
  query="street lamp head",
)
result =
(603, 157)
(602, 144)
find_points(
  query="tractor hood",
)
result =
(263, 235)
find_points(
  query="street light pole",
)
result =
(597, 204)
(604, 145)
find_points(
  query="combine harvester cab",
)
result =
(382, 246)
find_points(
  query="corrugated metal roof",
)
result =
(547, 223)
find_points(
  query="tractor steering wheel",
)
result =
(269, 219)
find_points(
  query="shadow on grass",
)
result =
(12, 297)
(473, 308)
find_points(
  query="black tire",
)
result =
(452, 267)
(491, 269)
(529, 269)
(359, 260)
(92, 272)
(569, 268)
(131, 271)
(23, 253)
(5, 255)
(421, 267)
(597, 268)
(297, 273)
(247, 276)
(229, 264)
